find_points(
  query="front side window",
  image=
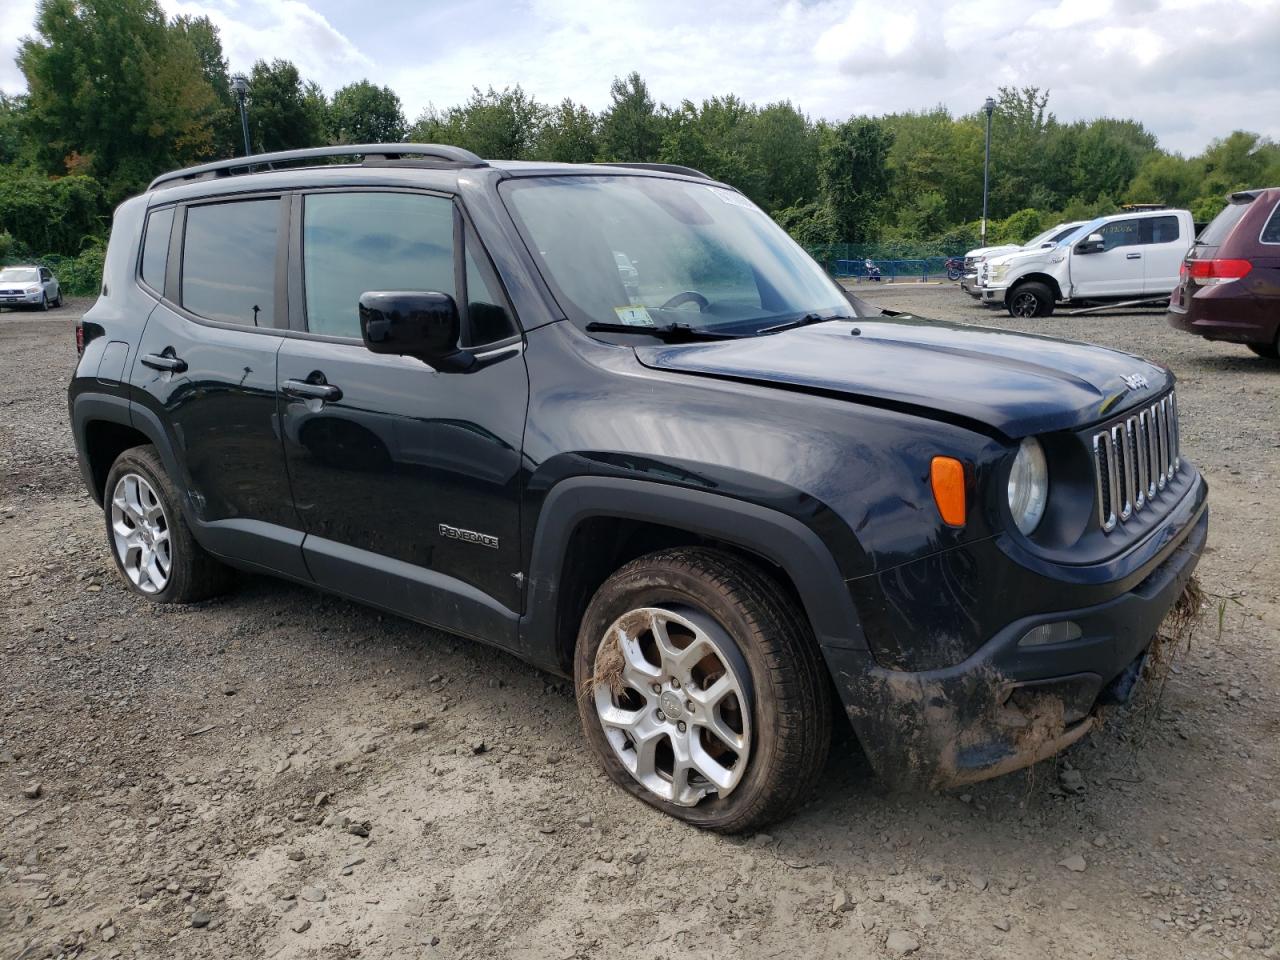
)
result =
(229, 261)
(353, 243)
(652, 252)
(155, 247)
(1121, 233)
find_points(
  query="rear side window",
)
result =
(1220, 227)
(1271, 232)
(1163, 230)
(229, 261)
(155, 247)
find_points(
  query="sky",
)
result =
(1190, 70)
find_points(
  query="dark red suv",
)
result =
(1230, 282)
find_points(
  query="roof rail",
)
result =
(376, 152)
(661, 168)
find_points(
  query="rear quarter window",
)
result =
(1271, 232)
(155, 248)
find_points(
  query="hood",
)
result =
(1008, 383)
(993, 251)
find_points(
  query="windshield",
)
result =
(14, 275)
(652, 252)
(1052, 235)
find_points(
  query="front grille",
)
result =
(1134, 460)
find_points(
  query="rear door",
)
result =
(1114, 271)
(406, 479)
(205, 372)
(1166, 239)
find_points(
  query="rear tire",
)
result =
(1030, 299)
(755, 639)
(148, 536)
(1268, 351)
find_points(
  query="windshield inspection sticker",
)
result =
(634, 316)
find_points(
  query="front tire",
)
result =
(1268, 351)
(1029, 300)
(44, 303)
(148, 537)
(701, 689)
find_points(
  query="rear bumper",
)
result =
(1220, 318)
(1008, 706)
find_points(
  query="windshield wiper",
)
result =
(806, 320)
(671, 333)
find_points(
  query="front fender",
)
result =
(781, 539)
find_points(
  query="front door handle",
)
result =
(310, 390)
(1133, 256)
(164, 361)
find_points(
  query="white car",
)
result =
(974, 259)
(29, 287)
(1128, 256)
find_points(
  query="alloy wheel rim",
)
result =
(673, 697)
(140, 533)
(1024, 305)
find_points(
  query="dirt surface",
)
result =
(281, 774)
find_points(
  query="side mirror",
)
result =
(414, 324)
(1093, 243)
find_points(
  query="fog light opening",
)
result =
(1060, 631)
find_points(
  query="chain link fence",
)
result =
(895, 262)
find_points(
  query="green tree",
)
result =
(50, 215)
(853, 174)
(366, 113)
(284, 113)
(569, 135)
(631, 126)
(16, 145)
(496, 125)
(111, 82)
(784, 150)
(716, 138)
(207, 43)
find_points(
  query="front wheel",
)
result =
(701, 689)
(44, 303)
(1030, 300)
(1268, 351)
(149, 539)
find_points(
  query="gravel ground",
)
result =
(281, 774)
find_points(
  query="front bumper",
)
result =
(19, 300)
(1008, 706)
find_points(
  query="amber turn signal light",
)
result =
(946, 475)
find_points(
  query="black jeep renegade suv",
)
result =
(613, 420)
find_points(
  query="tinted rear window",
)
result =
(1271, 232)
(1220, 227)
(229, 261)
(155, 248)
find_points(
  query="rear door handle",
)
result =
(307, 390)
(164, 361)
(1133, 256)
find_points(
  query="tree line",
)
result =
(117, 92)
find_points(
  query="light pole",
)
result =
(240, 87)
(989, 108)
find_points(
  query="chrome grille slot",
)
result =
(1134, 460)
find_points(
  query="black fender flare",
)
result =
(92, 407)
(780, 539)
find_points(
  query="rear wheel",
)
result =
(701, 689)
(149, 539)
(1271, 351)
(1030, 299)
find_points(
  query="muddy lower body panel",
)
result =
(1028, 693)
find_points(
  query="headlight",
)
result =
(998, 270)
(1028, 485)
(33, 289)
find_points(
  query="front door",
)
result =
(206, 372)
(1114, 271)
(406, 479)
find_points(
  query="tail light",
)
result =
(80, 339)
(1209, 272)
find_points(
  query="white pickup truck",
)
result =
(974, 259)
(1128, 256)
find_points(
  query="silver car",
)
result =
(29, 287)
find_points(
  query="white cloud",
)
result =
(1188, 70)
